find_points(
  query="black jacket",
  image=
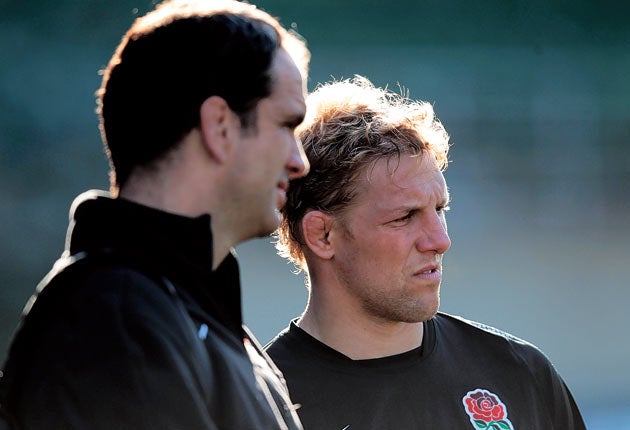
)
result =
(141, 333)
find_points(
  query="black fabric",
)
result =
(104, 345)
(426, 388)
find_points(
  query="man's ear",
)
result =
(315, 228)
(218, 124)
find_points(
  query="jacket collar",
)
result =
(178, 247)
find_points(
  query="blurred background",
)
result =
(535, 95)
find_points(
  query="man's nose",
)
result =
(298, 164)
(434, 235)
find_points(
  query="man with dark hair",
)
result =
(368, 225)
(139, 323)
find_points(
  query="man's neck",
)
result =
(357, 335)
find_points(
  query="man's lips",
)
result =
(282, 188)
(430, 272)
(283, 185)
(429, 268)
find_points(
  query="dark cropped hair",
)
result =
(173, 59)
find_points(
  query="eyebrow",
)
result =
(447, 199)
(411, 207)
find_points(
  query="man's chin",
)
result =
(428, 311)
(270, 225)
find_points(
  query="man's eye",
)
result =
(406, 217)
(442, 209)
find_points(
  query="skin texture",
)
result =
(376, 268)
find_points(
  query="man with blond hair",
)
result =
(138, 325)
(368, 225)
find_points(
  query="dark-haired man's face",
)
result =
(270, 156)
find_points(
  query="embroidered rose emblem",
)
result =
(486, 410)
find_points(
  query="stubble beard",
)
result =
(402, 309)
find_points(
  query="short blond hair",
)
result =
(350, 124)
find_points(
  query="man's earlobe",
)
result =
(216, 123)
(316, 227)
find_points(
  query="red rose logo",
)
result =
(482, 405)
(486, 411)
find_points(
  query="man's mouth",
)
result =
(430, 272)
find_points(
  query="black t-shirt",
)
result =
(465, 376)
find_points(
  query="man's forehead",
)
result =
(404, 166)
(404, 177)
(286, 81)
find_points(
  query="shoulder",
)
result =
(523, 363)
(293, 346)
(88, 285)
(454, 322)
(280, 342)
(96, 307)
(473, 334)
(102, 332)
(88, 317)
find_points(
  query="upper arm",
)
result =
(555, 395)
(117, 354)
